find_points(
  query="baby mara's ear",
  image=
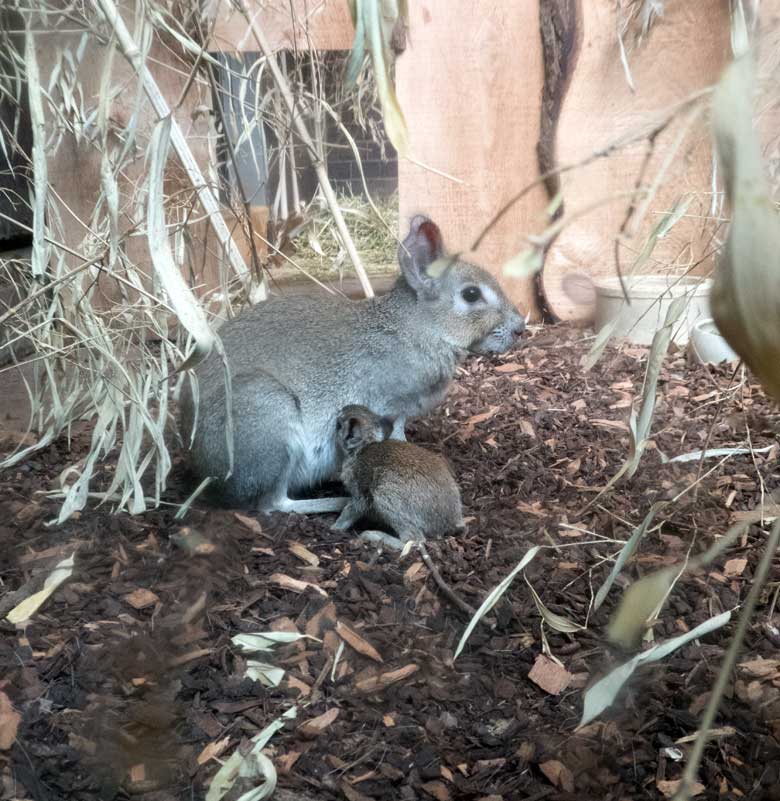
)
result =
(350, 432)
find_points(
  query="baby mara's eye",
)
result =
(471, 294)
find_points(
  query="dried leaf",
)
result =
(251, 523)
(315, 726)
(304, 554)
(549, 675)
(9, 722)
(669, 788)
(141, 598)
(296, 684)
(437, 790)
(761, 668)
(357, 642)
(734, 567)
(213, 750)
(287, 761)
(295, 585)
(29, 606)
(481, 418)
(558, 774)
(384, 680)
(350, 793)
(527, 428)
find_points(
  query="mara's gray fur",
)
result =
(297, 361)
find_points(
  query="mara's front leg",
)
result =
(399, 429)
(410, 406)
(435, 395)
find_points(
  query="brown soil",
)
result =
(127, 673)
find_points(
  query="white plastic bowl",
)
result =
(651, 296)
(707, 344)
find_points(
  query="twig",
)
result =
(604, 152)
(632, 207)
(443, 586)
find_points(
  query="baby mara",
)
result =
(296, 362)
(395, 484)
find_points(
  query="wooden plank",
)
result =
(470, 84)
(684, 52)
(299, 25)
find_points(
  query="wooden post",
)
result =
(470, 86)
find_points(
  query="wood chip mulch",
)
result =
(126, 683)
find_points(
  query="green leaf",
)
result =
(638, 605)
(358, 54)
(494, 595)
(267, 641)
(714, 453)
(599, 344)
(269, 675)
(525, 264)
(253, 765)
(745, 296)
(553, 620)
(626, 553)
(603, 693)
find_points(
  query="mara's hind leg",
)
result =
(313, 506)
(381, 538)
(269, 456)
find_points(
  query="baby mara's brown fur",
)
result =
(396, 484)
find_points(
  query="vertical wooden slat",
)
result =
(470, 87)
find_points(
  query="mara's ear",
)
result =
(422, 246)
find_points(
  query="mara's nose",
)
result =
(518, 327)
(521, 324)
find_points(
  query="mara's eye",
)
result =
(471, 294)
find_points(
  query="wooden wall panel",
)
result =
(683, 53)
(317, 24)
(470, 86)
